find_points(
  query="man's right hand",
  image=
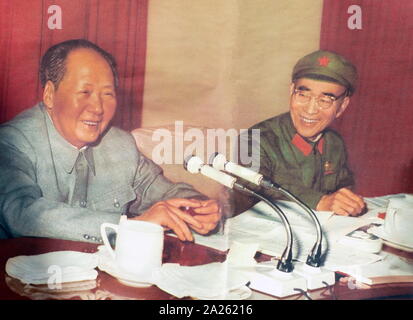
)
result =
(342, 202)
(167, 214)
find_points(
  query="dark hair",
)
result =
(53, 63)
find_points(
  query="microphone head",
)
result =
(218, 161)
(193, 164)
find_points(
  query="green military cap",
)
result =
(327, 66)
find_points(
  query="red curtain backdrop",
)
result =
(378, 124)
(119, 27)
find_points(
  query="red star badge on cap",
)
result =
(323, 61)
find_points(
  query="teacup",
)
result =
(138, 248)
(398, 223)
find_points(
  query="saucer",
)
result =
(398, 246)
(389, 240)
(108, 265)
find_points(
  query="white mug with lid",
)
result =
(398, 223)
(138, 248)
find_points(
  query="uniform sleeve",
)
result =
(25, 212)
(345, 177)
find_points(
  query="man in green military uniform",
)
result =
(297, 150)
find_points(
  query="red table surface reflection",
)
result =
(106, 287)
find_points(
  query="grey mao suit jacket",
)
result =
(33, 169)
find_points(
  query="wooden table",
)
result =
(107, 287)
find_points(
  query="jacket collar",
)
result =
(305, 146)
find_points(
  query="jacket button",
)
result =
(116, 203)
(86, 236)
(83, 204)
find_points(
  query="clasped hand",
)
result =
(170, 215)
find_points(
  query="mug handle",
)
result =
(105, 236)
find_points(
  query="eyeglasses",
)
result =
(304, 97)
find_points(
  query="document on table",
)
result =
(337, 226)
(260, 224)
(390, 269)
(382, 201)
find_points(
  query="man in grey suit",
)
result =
(64, 170)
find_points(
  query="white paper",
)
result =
(389, 266)
(260, 224)
(209, 281)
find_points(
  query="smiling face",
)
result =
(84, 102)
(308, 119)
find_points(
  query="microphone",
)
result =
(194, 164)
(219, 162)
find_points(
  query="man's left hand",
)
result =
(208, 214)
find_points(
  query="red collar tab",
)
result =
(306, 147)
(323, 61)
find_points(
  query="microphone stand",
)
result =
(315, 276)
(219, 162)
(285, 262)
(314, 258)
(194, 164)
(280, 281)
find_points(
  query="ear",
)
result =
(342, 107)
(292, 85)
(48, 95)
